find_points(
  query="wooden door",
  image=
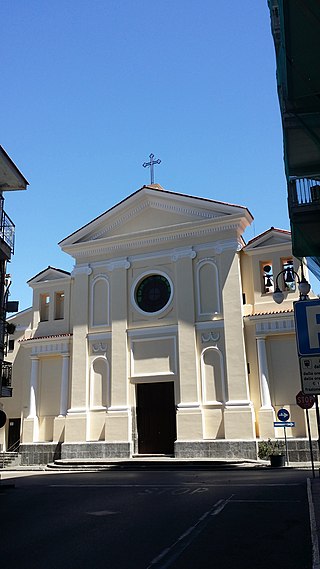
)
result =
(156, 418)
(14, 434)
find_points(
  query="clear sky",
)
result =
(89, 88)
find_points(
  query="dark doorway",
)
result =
(156, 418)
(14, 434)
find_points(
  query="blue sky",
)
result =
(90, 88)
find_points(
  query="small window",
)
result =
(267, 278)
(289, 281)
(11, 345)
(44, 307)
(59, 306)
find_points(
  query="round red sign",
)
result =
(305, 401)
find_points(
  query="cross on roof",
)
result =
(151, 164)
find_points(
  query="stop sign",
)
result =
(305, 401)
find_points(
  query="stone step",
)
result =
(8, 459)
(148, 464)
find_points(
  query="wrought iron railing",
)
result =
(7, 230)
(6, 375)
(303, 192)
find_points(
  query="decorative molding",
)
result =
(275, 326)
(154, 331)
(98, 347)
(119, 264)
(49, 348)
(119, 409)
(79, 250)
(192, 405)
(133, 289)
(205, 326)
(205, 400)
(97, 278)
(173, 360)
(238, 403)
(216, 288)
(210, 337)
(183, 254)
(81, 270)
(101, 336)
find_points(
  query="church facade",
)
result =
(163, 340)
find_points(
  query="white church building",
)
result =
(163, 340)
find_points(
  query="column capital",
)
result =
(183, 254)
(81, 270)
(118, 264)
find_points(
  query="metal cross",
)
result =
(151, 164)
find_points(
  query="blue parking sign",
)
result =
(307, 321)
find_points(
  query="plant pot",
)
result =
(277, 460)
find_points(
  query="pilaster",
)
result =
(117, 418)
(239, 414)
(266, 411)
(189, 418)
(76, 420)
(31, 423)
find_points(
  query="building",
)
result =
(164, 338)
(295, 28)
(10, 180)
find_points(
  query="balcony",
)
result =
(6, 378)
(304, 212)
(7, 231)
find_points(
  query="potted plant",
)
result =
(272, 450)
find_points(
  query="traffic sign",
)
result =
(305, 401)
(307, 320)
(310, 375)
(284, 424)
(283, 415)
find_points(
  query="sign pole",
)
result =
(310, 443)
(286, 445)
(318, 423)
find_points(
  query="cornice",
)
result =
(161, 236)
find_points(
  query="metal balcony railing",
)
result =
(6, 376)
(7, 230)
(303, 192)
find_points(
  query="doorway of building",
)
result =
(156, 418)
(14, 434)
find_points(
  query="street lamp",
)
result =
(289, 277)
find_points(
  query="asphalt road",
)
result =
(156, 520)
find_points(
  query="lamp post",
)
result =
(289, 277)
(278, 296)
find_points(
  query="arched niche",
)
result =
(100, 309)
(99, 395)
(212, 376)
(208, 288)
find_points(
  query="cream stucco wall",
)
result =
(75, 378)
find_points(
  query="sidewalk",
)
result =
(313, 489)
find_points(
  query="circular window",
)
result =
(153, 293)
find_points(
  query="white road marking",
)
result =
(170, 554)
(167, 485)
(313, 527)
(102, 513)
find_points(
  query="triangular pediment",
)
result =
(150, 209)
(48, 274)
(270, 238)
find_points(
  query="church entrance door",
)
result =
(156, 418)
